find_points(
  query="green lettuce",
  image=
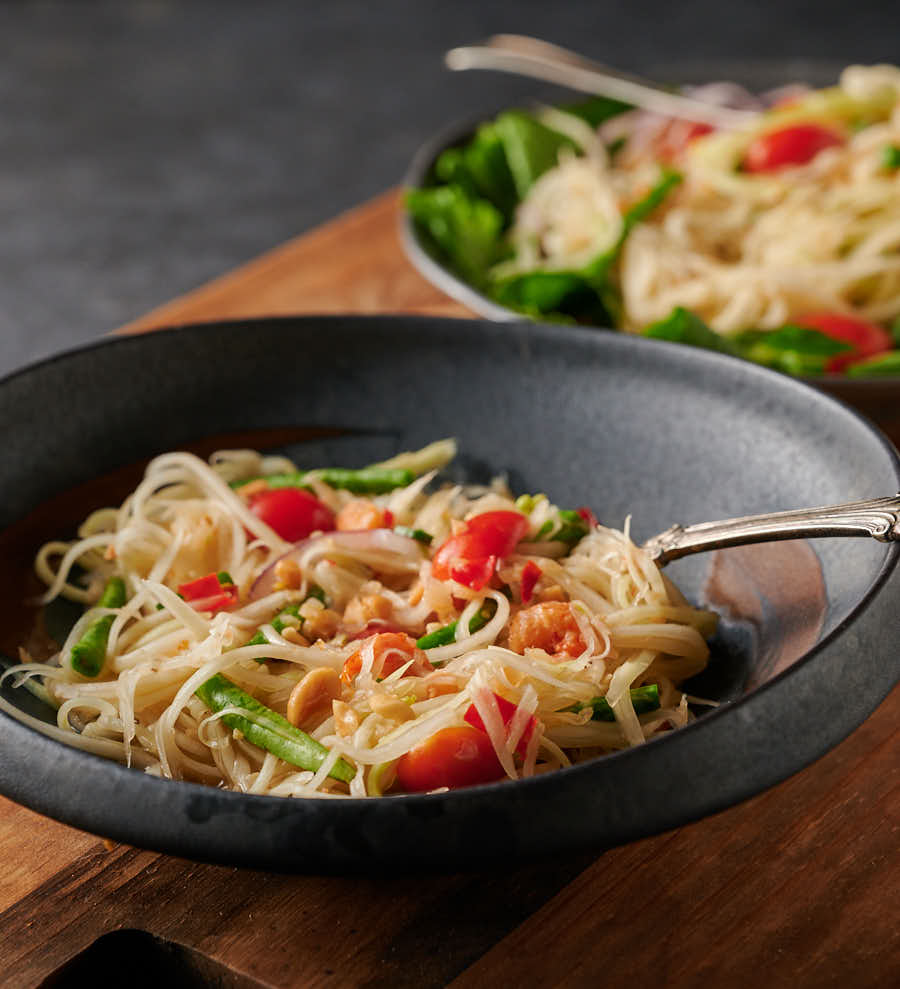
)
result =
(466, 231)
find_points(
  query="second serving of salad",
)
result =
(778, 242)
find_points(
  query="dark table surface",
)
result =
(149, 146)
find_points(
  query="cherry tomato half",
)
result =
(470, 556)
(866, 339)
(795, 145)
(292, 512)
(453, 757)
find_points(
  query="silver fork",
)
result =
(878, 518)
(526, 56)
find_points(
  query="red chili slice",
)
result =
(507, 712)
(531, 574)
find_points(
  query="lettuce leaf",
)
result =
(683, 326)
(480, 167)
(531, 147)
(797, 350)
(465, 231)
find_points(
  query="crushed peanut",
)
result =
(311, 608)
(346, 720)
(366, 608)
(293, 636)
(391, 707)
(312, 697)
(288, 575)
(441, 684)
(319, 622)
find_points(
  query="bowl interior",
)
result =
(636, 429)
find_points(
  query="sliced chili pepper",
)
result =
(507, 712)
(531, 574)
(208, 593)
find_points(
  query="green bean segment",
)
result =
(366, 480)
(447, 634)
(89, 652)
(266, 728)
(643, 699)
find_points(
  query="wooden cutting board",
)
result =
(796, 887)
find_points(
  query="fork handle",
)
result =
(526, 56)
(878, 518)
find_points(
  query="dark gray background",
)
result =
(146, 147)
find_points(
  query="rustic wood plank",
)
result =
(353, 264)
(799, 883)
(281, 930)
(34, 849)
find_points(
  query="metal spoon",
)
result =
(877, 517)
(526, 56)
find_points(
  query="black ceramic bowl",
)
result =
(625, 425)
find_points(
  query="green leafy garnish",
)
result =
(557, 293)
(465, 230)
(480, 168)
(683, 326)
(531, 147)
(797, 350)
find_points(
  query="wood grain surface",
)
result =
(796, 887)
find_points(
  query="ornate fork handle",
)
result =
(878, 518)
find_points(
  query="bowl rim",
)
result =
(686, 739)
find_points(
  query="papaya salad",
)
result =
(778, 242)
(336, 632)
